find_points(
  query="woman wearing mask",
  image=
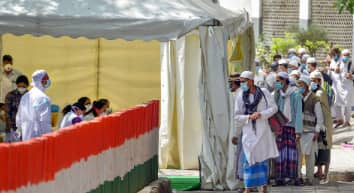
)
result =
(86, 101)
(75, 115)
(99, 108)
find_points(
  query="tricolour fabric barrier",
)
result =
(116, 153)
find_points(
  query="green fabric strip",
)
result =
(133, 181)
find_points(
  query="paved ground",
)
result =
(341, 169)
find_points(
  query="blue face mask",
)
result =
(244, 86)
(301, 90)
(313, 86)
(289, 70)
(278, 85)
(346, 59)
(47, 85)
(258, 68)
(291, 56)
(336, 58)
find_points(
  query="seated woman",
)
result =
(85, 101)
(99, 108)
(75, 115)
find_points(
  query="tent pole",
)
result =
(98, 67)
(1, 50)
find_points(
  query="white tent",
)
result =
(177, 23)
(127, 19)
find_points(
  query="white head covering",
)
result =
(305, 79)
(294, 62)
(305, 57)
(283, 75)
(302, 51)
(291, 50)
(345, 51)
(282, 61)
(311, 60)
(247, 74)
(37, 78)
(295, 72)
(316, 74)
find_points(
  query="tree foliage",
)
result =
(342, 5)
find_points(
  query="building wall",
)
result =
(339, 27)
(278, 15)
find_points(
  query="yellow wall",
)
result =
(129, 71)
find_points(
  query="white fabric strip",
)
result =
(87, 175)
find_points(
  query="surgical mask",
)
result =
(258, 68)
(47, 85)
(336, 57)
(289, 70)
(88, 107)
(8, 67)
(108, 111)
(292, 81)
(301, 90)
(21, 90)
(291, 56)
(303, 66)
(244, 86)
(278, 85)
(313, 86)
(346, 59)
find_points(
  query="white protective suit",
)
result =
(34, 112)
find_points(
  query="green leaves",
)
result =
(347, 5)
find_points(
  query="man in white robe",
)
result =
(346, 73)
(253, 107)
(34, 112)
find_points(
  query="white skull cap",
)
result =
(247, 74)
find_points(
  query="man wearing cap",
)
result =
(253, 107)
(340, 93)
(291, 53)
(347, 70)
(34, 112)
(313, 123)
(231, 178)
(289, 102)
(303, 65)
(283, 65)
(294, 77)
(271, 77)
(325, 137)
(301, 52)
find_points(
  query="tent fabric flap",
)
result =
(215, 110)
(180, 127)
(112, 19)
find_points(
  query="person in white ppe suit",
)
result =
(34, 113)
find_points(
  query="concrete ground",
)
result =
(341, 169)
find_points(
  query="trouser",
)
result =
(347, 112)
(310, 163)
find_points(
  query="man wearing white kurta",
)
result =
(253, 107)
(346, 73)
(340, 93)
(34, 112)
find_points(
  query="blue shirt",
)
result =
(296, 109)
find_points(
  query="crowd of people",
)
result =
(307, 101)
(26, 114)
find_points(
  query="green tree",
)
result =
(313, 38)
(345, 5)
